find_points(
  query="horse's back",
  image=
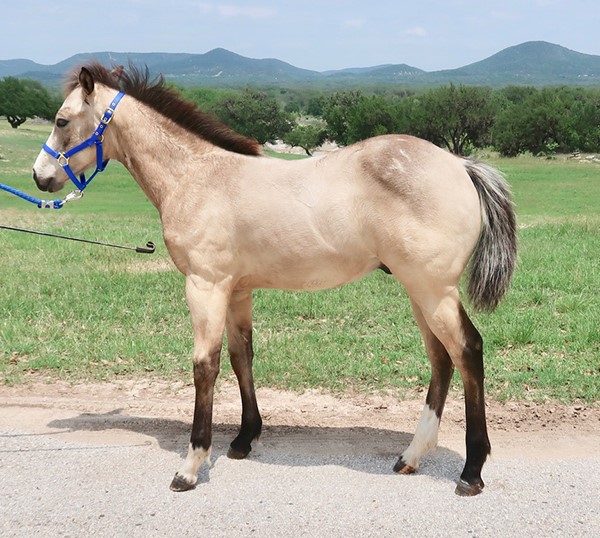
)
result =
(398, 169)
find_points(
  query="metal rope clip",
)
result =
(75, 195)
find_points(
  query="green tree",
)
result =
(206, 99)
(506, 133)
(336, 113)
(316, 105)
(307, 137)
(580, 124)
(374, 115)
(535, 123)
(455, 117)
(254, 114)
(21, 99)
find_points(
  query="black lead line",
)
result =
(149, 248)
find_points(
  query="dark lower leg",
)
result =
(477, 441)
(205, 375)
(239, 333)
(251, 425)
(441, 376)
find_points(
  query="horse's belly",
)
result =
(309, 275)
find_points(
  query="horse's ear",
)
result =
(86, 81)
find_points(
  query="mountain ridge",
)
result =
(532, 63)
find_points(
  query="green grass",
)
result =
(81, 312)
(286, 156)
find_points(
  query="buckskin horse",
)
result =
(234, 220)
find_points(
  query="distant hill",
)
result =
(532, 63)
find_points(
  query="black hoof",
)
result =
(237, 454)
(403, 468)
(464, 489)
(180, 484)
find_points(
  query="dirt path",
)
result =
(97, 460)
(121, 412)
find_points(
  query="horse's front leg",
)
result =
(208, 305)
(239, 337)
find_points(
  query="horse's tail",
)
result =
(494, 258)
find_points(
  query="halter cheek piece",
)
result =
(96, 139)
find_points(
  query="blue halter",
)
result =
(63, 159)
(96, 139)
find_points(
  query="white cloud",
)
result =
(417, 31)
(204, 7)
(354, 23)
(252, 12)
(548, 3)
(230, 11)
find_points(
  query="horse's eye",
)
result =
(61, 122)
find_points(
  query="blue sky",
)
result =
(319, 35)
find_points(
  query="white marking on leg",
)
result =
(193, 461)
(425, 438)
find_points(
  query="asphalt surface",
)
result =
(298, 484)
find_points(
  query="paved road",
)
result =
(107, 474)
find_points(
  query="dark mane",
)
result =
(167, 101)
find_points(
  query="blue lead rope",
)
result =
(42, 204)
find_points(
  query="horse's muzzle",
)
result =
(46, 184)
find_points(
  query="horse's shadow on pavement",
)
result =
(299, 446)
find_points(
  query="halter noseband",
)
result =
(96, 139)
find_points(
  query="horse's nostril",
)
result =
(41, 186)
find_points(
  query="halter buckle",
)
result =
(107, 117)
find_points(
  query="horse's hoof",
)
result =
(236, 454)
(181, 484)
(464, 489)
(403, 468)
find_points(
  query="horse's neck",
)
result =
(154, 150)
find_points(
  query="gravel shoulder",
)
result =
(99, 457)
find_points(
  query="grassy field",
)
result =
(81, 312)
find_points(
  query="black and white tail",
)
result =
(494, 258)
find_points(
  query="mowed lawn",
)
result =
(80, 312)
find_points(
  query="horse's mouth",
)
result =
(47, 184)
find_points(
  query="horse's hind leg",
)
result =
(450, 324)
(425, 438)
(239, 336)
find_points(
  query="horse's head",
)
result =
(70, 149)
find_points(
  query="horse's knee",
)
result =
(206, 369)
